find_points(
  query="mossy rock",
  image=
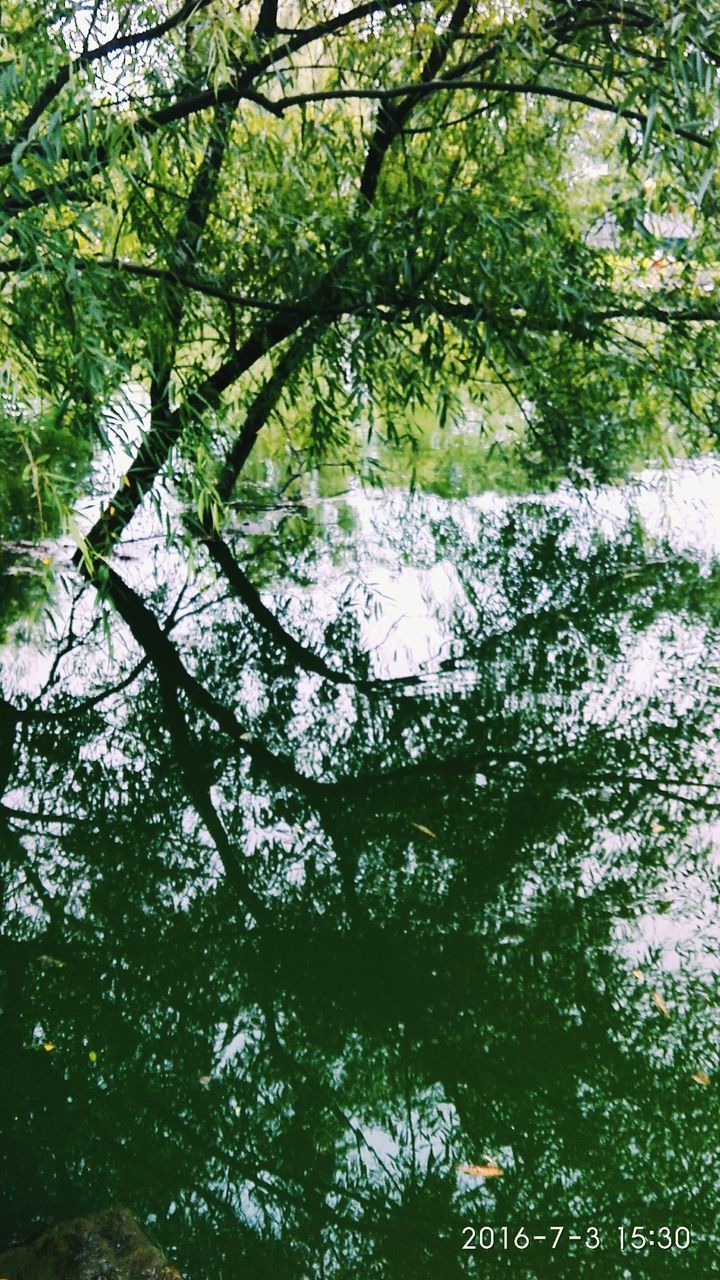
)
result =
(104, 1246)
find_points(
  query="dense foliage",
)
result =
(325, 219)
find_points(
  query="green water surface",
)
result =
(485, 933)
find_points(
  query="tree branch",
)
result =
(279, 106)
(391, 120)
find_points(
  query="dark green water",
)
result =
(438, 967)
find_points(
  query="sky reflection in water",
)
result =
(491, 937)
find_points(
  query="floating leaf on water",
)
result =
(661, 1004)
(425, 830)
(481, 1170)
(203, 1079)
(656, 827)
(700, 1077)
(638, 973)
(664, 906)
(48, 1046)
(92, 1055)
(60, 964)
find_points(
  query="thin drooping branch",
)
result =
(29, 815)
(219, 551)
(300, 655)
(255, 419)
(701, 311)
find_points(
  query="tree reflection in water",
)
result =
(284, 950)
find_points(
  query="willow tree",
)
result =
(235, 227)
(222, 221)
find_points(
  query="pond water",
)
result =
(453, 964)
